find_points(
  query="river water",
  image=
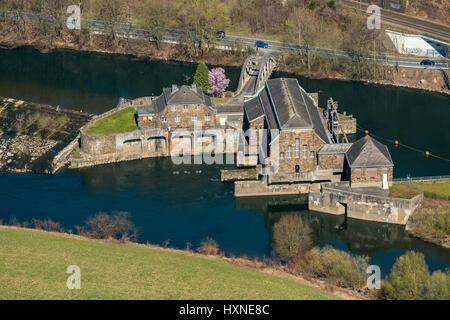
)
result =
(184, 204)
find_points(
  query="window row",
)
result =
(193, 118)
(186, 107)
(312, 154)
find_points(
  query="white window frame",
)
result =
(197, 107)
(185, 107)
(305, 151)
(297, 148)
(174, 108)
(177, 119)
(207, 117)
(281, 155)
(164, 119)
(194, 118)
(289, 152)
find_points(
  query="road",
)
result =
(432, 29)
(172, 35)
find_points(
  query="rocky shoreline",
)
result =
(32, 135)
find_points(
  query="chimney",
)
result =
(194, 87)
(174, 88)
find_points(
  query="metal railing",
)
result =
(429, 178)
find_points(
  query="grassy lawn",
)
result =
(33, 265)
(122, 121)
(438, 190)
(220, 100)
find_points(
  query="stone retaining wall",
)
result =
(239, 174)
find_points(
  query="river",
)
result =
(184, 204)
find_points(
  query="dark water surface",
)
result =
(188, 203)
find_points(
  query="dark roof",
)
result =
(253, 109)
(368, 152)
(268, 111)
(291, 107)
(176, 95)
(229, 108)
(338, 148)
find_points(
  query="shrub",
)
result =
(208, 247)
(291, 236)
(432, 223)
(47, 225)
(408, 277)
(339, 266)
(104, 226)
(437, 287)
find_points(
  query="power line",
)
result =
(405, 145)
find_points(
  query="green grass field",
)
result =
(121, 121)
(33, 265)
(439, 190)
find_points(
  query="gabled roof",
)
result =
(293, 107)
(368, 152)
(186, 94)
(253, 109)
(338, 148)
(176, 95)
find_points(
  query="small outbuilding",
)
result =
(369, 163)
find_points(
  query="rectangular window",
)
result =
(197, 107)
(305, 151)
(194, 118)
(312, 154)
(164, 119)
(290, 152)
(185, 107)
(281, 155)
(207, 117)
(174, 108)
(177, 119)
(297, 148)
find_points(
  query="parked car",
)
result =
(220, 35)
(427, 62)
(261, 44)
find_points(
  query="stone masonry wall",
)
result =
(307, 137)
(331, 161)
(370, 176)
(184, 115)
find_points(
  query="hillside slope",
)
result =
(33, 266)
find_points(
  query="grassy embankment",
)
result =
(33, 266)
(431, 221)
(118, 122)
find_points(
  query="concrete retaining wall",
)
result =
(363, 206)
(261, 188)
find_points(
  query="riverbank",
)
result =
(430, 222)
(36, 261)
(33, 135)
(321, 68)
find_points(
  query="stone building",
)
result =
(178, 107)
(368, 162)
(292, 119)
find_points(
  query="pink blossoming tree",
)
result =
(218, 82)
